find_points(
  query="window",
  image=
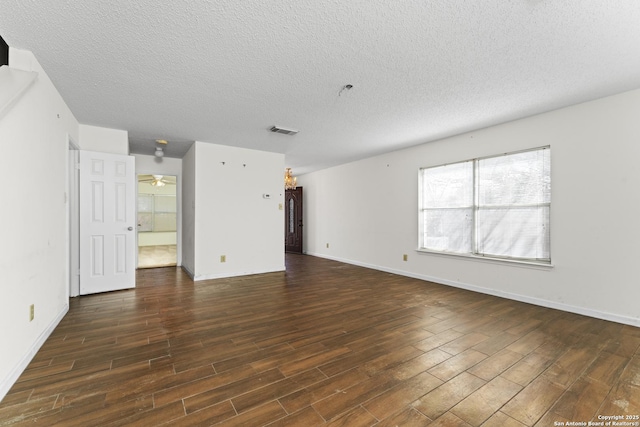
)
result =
(494, 207)
(156, 212)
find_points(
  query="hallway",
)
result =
(157, 256)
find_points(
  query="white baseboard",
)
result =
(7, 383)
(632, 321)
(189, 272)
(227, 275)
(234, 274)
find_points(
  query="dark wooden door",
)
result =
(293, 220)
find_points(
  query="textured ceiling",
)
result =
(226, 71)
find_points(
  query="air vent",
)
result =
(283, 130)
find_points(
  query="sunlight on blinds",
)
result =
(497, 206)
(513, 205)
(448, 201)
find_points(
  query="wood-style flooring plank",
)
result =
(386, 404)
(483, 403)
(533, 401)
(352, 397)
(582, 400)
(325, 343)
(305, 417)
(496, 364)
(407, 417)
(443, 398)
(357, 417)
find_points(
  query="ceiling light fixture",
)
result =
(290, 181)
(159, 152)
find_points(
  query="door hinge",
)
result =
(78, 273)
(78, 166)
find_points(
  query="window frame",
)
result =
(474, 254)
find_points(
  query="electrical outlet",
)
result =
(32, 312)
(223, 258)
(404, 257)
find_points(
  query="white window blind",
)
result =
(448, 212)
(496, 206)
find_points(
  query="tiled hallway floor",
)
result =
(156, 256)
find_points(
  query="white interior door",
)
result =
(107, 222)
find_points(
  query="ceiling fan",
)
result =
(157, 180)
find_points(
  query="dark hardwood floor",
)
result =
(324, 344)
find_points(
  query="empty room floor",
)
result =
(157, 256)
(325, 343)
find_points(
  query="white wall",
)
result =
(159, 166)
(231, 216)
(157, 238)
(105, 140)
(34, 137)
(595, 149)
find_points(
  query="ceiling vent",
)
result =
(283, 130)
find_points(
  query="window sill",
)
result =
(505, 261)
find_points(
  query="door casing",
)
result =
(73, 189)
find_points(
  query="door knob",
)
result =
(130, 228)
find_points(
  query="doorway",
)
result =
(157, 221)
(293, 221)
